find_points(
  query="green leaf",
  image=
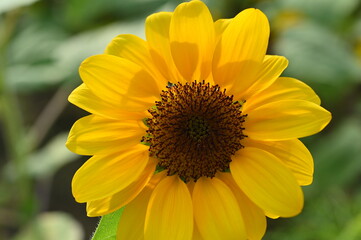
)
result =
(25, 47)
(50, 158)
(33, 66)
(321, 58)
(352, 231)
(318, 55)
(71, 52)
(30, 78)
(52, 225)
(108, 225)
(8, 5)
(58, 61)
(335, 15)
(337, 157)
(80, 14)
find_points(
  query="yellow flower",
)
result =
(201, 102)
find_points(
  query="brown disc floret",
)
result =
(194, 130)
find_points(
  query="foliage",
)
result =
(42, 44)
(108, 226)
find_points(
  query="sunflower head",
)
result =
(193, 128)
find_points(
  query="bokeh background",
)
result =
(42, 43)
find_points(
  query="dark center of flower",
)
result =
(198, 128)
(194, 130)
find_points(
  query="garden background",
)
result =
(42, 43)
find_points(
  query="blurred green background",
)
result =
(42, 43)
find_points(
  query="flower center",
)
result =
(194, 130)
(198, 128)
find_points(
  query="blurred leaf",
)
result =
(8, 5)
(337, 157)
(4, 188)
(31, 62)
(352, 231)
(50, 158)
(331, 210)
(108, 225)
(76, 49)
(80, 14)
(333, 16)
(328, 14)
(319, 55)
(357, 29)
(28, 78)
(65, 55)
(323, 218)
(52, 226)
(138, 7)
(35, 43)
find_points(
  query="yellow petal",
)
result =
(157, 34)
(190, 186)
(271, 69)
(283, 88)
(285, 120)
(87, 100)
(293, 153)
(120, 81)
(120, 199)
(254, 217)
(104, 175)
(97, 135)
(267, 182)
(240, 51)
(192, 40)
(196, 234)
(216, 211)
(219, 26)
(270, 215)
(131, 223)
(135, 49)
(169, 214)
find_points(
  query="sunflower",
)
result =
(193, 129)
